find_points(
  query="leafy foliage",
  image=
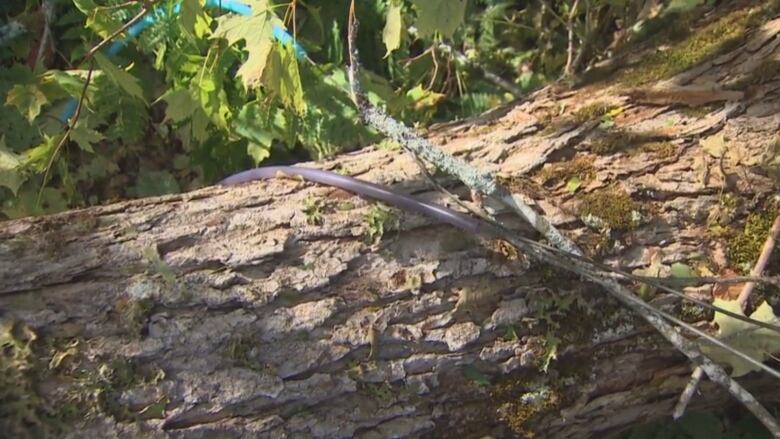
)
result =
(197, 91)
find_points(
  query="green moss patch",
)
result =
(581, 167)
(707, 42)
(613, 206)
(745, 246)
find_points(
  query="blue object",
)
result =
(278, 33)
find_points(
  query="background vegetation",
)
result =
(203, 93)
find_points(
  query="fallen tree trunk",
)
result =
(285, 309)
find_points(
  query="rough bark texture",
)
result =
(264, 310)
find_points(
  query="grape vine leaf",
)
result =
(391, 34)
(127, 82)
(28, 99)
(256, 31)
(759, 343)
(442, 16)
(10, 176)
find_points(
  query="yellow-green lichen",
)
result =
(745, 246)
(691, 312)
(614, 207)
(519, 408)
(705, 43)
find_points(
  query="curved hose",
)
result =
(363, 188)
(278, 33)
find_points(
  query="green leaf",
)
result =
(180, 105)
(442, 16)
(573, 184)
(256, 31)
(551, 344)
(71, 81)
(37, 158)
(151, 183)
(252, 123)
(10, 162)
(391, 34)
(127, 82)
(189, 12)
(85, 136)
(682, 270)
(283, 78)
(28, 99)
(759, 343)
(99, 19)
(258, 152)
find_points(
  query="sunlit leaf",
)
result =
(256, 31)
(10, 175)
(573, 184)
(28, 99)
(283, 79)
(258, 152)
(391, 34)
(759, 343)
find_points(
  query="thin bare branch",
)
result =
(114, 34)
(66, 135)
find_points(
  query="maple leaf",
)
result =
(257, 32)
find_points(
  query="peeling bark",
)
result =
(238, 311)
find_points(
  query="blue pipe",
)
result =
(278, 33)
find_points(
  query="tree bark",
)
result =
(280, 309)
